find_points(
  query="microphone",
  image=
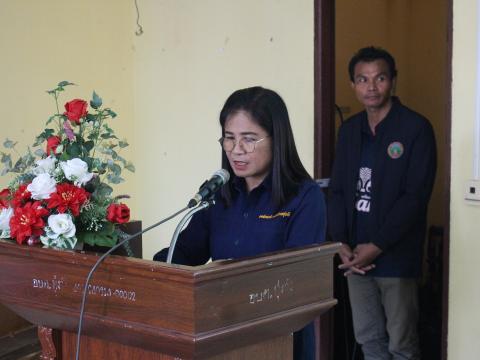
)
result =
(208, 188)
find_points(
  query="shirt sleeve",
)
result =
(412, 203)
(192, 246)
(308, 222)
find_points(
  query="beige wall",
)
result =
(43, 42)
(188, 61)
(464, 316)
(415, 34)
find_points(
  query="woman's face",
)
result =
(252, 166)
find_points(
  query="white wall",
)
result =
(464, 316)
(192, 55)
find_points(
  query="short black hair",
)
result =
(268, 110)
(369, 54)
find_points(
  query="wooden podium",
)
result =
(138, 309)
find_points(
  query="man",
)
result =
(381, 183)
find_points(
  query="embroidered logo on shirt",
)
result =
(364, 187)
(395, 149)
(283, 214)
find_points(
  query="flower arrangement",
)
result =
(61, 193)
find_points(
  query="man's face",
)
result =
(372, 84)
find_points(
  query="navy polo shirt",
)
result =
(251, 225)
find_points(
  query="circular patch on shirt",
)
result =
(395, 150)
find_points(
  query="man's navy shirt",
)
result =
(252, 225)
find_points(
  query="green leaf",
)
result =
(19, 166)
(91, 118)
(64, 156)
(103, 190)
(101, 238)
(64, 83)
(39, 152)
(107, 128)
(112, 113)
(88, 145)
(73, 150)
(6, 159)
(105, 151)
(129, 166)
(121, 159)
(114, 179)
(9, 144)
(43, 136)
(59, 149)
(50, 119)
(123, 143)
(5, 171)
(96, 101)
(115, 168)
(99, 166)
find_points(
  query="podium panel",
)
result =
(218, 310)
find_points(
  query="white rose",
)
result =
(46, 165)
(76, 170)
(61, 224)
(42, 186)
(5, 216)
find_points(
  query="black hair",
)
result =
(369, 54)
(268, 110)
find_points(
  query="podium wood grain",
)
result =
(143, 309)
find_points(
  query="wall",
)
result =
(88, 43)
(167, 85)
(43, 42)
(464, 317)
(192, 55)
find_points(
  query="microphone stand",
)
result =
(181, 224)
(100, 260)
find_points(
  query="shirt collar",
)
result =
(240, 186)
(379, 128)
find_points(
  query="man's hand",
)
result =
(363, 255)
(348, 258)
(346, 253)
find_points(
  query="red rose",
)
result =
(118, 213)
(68, 197)
(21, 196)
(4, 198)
(27, 221)
(52, 143)
(76, 109)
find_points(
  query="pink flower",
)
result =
(68, 131)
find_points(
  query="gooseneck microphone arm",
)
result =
(181, 224)
(99, 261)
(203, 198)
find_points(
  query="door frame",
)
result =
(324, 141)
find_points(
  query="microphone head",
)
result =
(223, 174)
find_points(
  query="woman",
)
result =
(271, 203)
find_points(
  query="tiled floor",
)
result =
(22, 345)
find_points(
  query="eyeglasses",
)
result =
(247, 144)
